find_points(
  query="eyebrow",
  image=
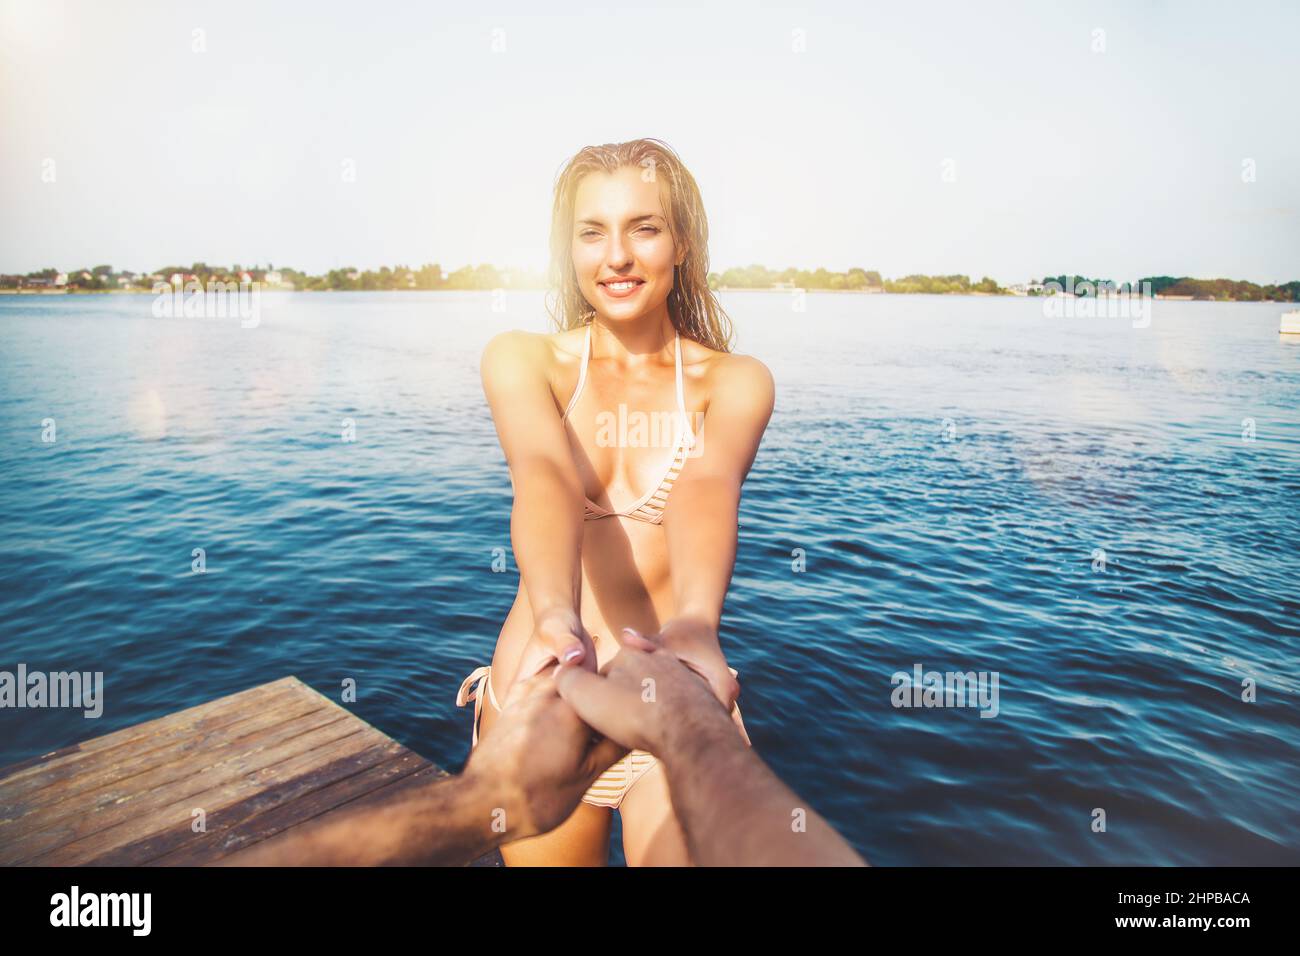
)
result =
(634, 219)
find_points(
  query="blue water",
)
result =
(949, 467)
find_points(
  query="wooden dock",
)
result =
(255, 763)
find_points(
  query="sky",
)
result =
(1114, 140)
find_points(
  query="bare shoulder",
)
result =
(515, 350)
(512, 345)
(503, 350)
(734, 378)
(531, 366)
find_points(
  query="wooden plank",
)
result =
(94, 810)
(230, 704)
(104, 782)
(42, 770)
(314, 802)
(73, 838)
(173, 823)
(258, 763)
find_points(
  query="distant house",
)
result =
(1026, 288)
(61, 279)
(274, 278)
(785, 284)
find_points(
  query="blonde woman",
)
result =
(616, 522)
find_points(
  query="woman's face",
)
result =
(621, 235)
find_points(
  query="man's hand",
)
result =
(537, 760)
(732, 808)
(645, 698)
(525, 777)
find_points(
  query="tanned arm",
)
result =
(701, 518)
(546, 520)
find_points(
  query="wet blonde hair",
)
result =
(693, 308)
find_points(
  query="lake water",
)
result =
(1105, 516)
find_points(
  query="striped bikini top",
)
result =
(650, 506)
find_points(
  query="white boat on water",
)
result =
(1290, 322)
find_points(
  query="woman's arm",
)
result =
(546, 520)
(700, 519)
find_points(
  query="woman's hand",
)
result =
(558, 635)
(694, 642)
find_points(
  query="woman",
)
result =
(611, 529)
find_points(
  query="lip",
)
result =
(623, 294)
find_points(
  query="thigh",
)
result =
(581, 840)
(651, 833)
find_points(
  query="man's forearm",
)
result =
(736, 812)
(446, 822)
(546, 533)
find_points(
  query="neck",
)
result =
(633, 342)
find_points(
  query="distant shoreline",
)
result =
(973, 295)
(430, 277)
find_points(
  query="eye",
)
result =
(588, 232)
(651, 228)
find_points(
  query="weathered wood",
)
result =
(68, 761)
(280, 807)
(136, 768)
(77, 842)
(256, 763)
(127, 809)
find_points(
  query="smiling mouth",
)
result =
(619, 288)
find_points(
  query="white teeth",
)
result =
(620, 286)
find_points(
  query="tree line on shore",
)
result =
(430, 276)
(854, 280)
(1218, 290)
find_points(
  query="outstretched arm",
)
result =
(700, 520)
(525, 777)
(442, 822)
(737, 812)
(733, 809)
(546, 520)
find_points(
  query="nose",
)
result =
(618, 254)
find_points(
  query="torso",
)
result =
(625, 575)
